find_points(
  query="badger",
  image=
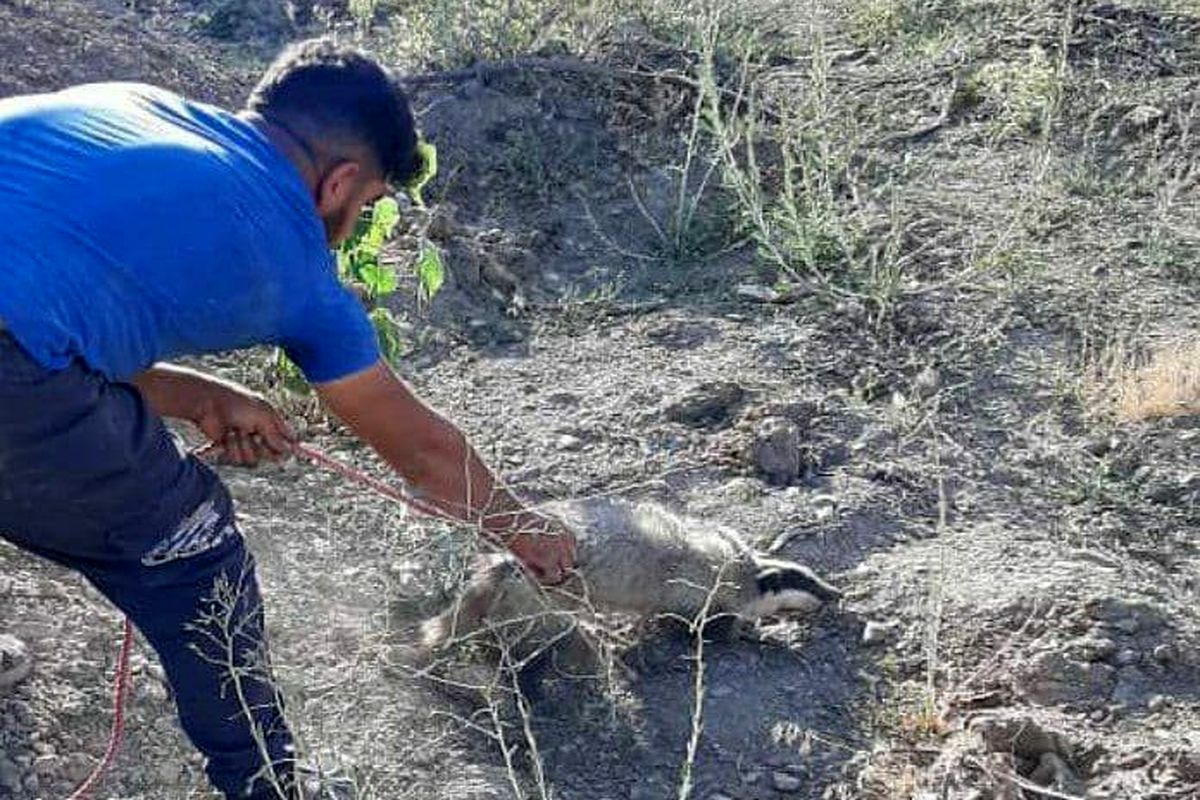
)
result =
(637, 559)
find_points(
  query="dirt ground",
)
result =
(1020, 565)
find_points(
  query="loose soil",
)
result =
(1021, 570)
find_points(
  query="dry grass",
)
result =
(1167, 384)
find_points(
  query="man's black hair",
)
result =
(329, 94)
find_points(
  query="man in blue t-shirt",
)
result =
(135, 227)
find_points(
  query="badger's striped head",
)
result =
(787, 587)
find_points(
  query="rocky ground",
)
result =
(1020, 564)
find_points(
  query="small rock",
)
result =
(568, 442)
(706, 404)
(563, 399)
(786, 782)
(1164, 654)
(76, 767)
(47, 766)
(1128, 657)
(1128, 625)
(755, 291)
(15, 661)
(1158, 703)
(878, 632)
(1019, 735)
(1054, 773)
(10, 774)
(742, 490)
(1092, 648)
(927, 382)
(649, 790)
(751, 777)
(824, 506)
(719, 796)
(1098, 715)
(1143, 116)
(168, 773)
(1102, 445)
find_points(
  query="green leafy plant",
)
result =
(358, 257)
(427, 157)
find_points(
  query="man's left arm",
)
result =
(434, 458)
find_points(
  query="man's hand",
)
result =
(244, 425)
(544, 545)
(239, 422)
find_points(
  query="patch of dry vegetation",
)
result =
(1167, 384)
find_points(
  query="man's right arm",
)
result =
(433, 456)
(242, 423)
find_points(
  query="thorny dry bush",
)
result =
(487, 669)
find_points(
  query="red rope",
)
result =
(374, 484)
(121, 680)
(117, 733)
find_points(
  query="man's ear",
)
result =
(337, 187)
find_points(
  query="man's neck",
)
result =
(293, 148)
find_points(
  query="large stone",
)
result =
(1051, 678)
(1019, 735)
(777, 451)
(786, 782)
(708, 403)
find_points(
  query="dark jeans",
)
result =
(91, 479)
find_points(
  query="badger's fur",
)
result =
(638, 559)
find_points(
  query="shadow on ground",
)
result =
(779, 714)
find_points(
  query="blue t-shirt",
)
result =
(136, 226)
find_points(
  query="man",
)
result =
(136, 226)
